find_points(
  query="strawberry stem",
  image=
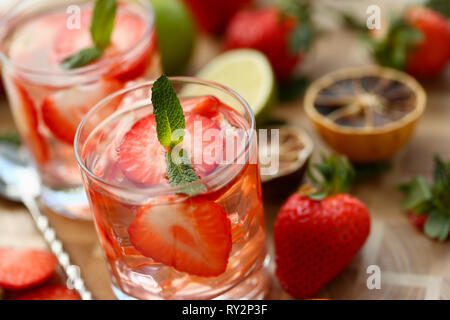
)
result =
(336, 175)
(432, 200)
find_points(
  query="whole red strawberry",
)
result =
(212, 15)
(274, 32)
(431, 56)
(316, 234)
(418, 42)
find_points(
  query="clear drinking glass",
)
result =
(161, 244)
(48, 102)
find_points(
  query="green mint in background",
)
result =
(82, 58)
(102, 25)
(170, 118)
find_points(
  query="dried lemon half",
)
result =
(366, 113)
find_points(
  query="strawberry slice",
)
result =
(204, 143)
(142, 158)
(51, 292)
(25, 45)
(205, 106)
(24, 268)
(128, 30)
(193, 236)
(140, 155)
(26, 118)
(63, 110)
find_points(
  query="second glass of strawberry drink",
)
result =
(187, 229)
(49, 93)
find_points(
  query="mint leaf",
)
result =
(168, 112)
(82, 58)
(102, 23)
(180, 173)
(437, 226)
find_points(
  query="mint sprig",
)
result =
(170, 124)
(431, 200)
(102, 25)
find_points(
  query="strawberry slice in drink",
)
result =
(63, 110)
(140, 155)
(206, 106)
(142, 158)
(26, 117)
(192, 236)
(128, 30)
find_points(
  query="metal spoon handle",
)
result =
(74, 280)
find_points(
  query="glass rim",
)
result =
(90, 68)
(161, 191)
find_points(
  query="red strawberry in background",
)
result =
(417, 220)
(318, 233)
(212, 15)
(281, 34)
(24, 268)
(417, 42)
(431, 56)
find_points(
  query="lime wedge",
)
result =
(246, 71)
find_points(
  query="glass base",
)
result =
(254, 287)
(71, 203)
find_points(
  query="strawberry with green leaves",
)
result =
(319, 230)
(428, 206)
(417, 42)
(283, 34)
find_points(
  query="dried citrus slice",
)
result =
(366, 113)
(282, 165)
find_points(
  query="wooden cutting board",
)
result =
(412, 266)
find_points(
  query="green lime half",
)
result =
(246, 71)
(176, 34)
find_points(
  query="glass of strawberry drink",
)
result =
(166, 237)
(48, 99)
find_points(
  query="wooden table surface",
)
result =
(412, 266)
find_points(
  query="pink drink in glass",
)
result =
(161, 244)
(48, 102)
